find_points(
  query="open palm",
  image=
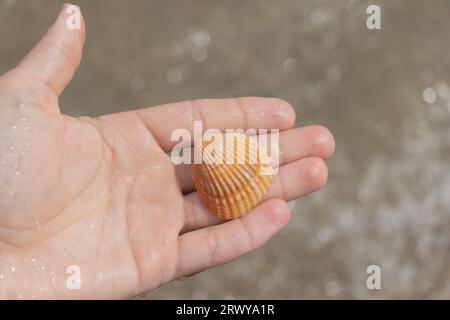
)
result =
(102, 193)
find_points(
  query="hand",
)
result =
(103, 194)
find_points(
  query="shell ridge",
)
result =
(230, 180)
(220, 192)
(236, 203)
(247, 187)
(224, 188)
(243, 204)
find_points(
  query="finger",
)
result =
(295, 144)
(243, 113)
(213, 246)
(311, 141)
(298, 179)
(292, 181)
(54, 60)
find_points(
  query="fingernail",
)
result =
(67, 5)
(63, 7)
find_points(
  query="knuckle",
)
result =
(251, 244)
(213, 246)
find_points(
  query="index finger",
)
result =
(242, 113)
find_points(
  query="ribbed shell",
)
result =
(230, 189)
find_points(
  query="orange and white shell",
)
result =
(232, 177)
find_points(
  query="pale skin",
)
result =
(102, 193)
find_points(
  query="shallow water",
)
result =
(384, 94)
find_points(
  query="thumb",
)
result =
(54, 60)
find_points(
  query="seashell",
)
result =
(233, 176)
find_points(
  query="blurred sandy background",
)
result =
(384, 94)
